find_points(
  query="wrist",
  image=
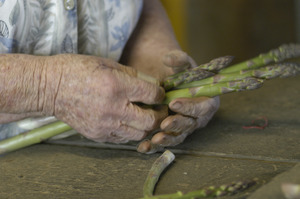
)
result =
(24, 84)
(51, 74)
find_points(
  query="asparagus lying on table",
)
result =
(157, 168)
(209, 192)
(165, 160)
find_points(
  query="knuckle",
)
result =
(155, 94)
(160, 94)
(175, 58)
(109, 85)
(152, 122)
(206, 107)
(139, 136)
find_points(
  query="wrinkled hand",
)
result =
(190, 113)
(97, 98)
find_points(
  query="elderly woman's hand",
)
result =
(97, 97)
(190, 113)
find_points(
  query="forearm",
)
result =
(25, 86)
(152, 38)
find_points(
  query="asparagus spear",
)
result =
(185, 77)
(33, 137)
(197, 73)
(212, 90)
(15, 128)
(267, 72)
(217, 63)
(157, 168)
(212, 191)
(283, 52)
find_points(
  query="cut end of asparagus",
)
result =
(157, 168)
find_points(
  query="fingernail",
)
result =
(144, 146)
(176, 105)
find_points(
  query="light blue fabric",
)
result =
(45, 27)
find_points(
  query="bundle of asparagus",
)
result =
(197, 73)
(211, 79)
(247, 75)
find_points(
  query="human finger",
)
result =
(144, 118)
(138, 74)
(165, 139)
(141, 91)
(122, 134)
(147, 147)
(178, 60)
(139, 87)
(178, 124)
(195, 107)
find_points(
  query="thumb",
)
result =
(178, 60)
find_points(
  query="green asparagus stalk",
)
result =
(267, 72)
(212, 90)
(33, 137)
(157, 168)
(197, 73)
(212, 191)
(217, 63)
(186, 77)
(292, 69)
(283, 52)
(15, 128)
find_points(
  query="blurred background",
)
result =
(207, 29)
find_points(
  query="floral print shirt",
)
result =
(48, 27)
